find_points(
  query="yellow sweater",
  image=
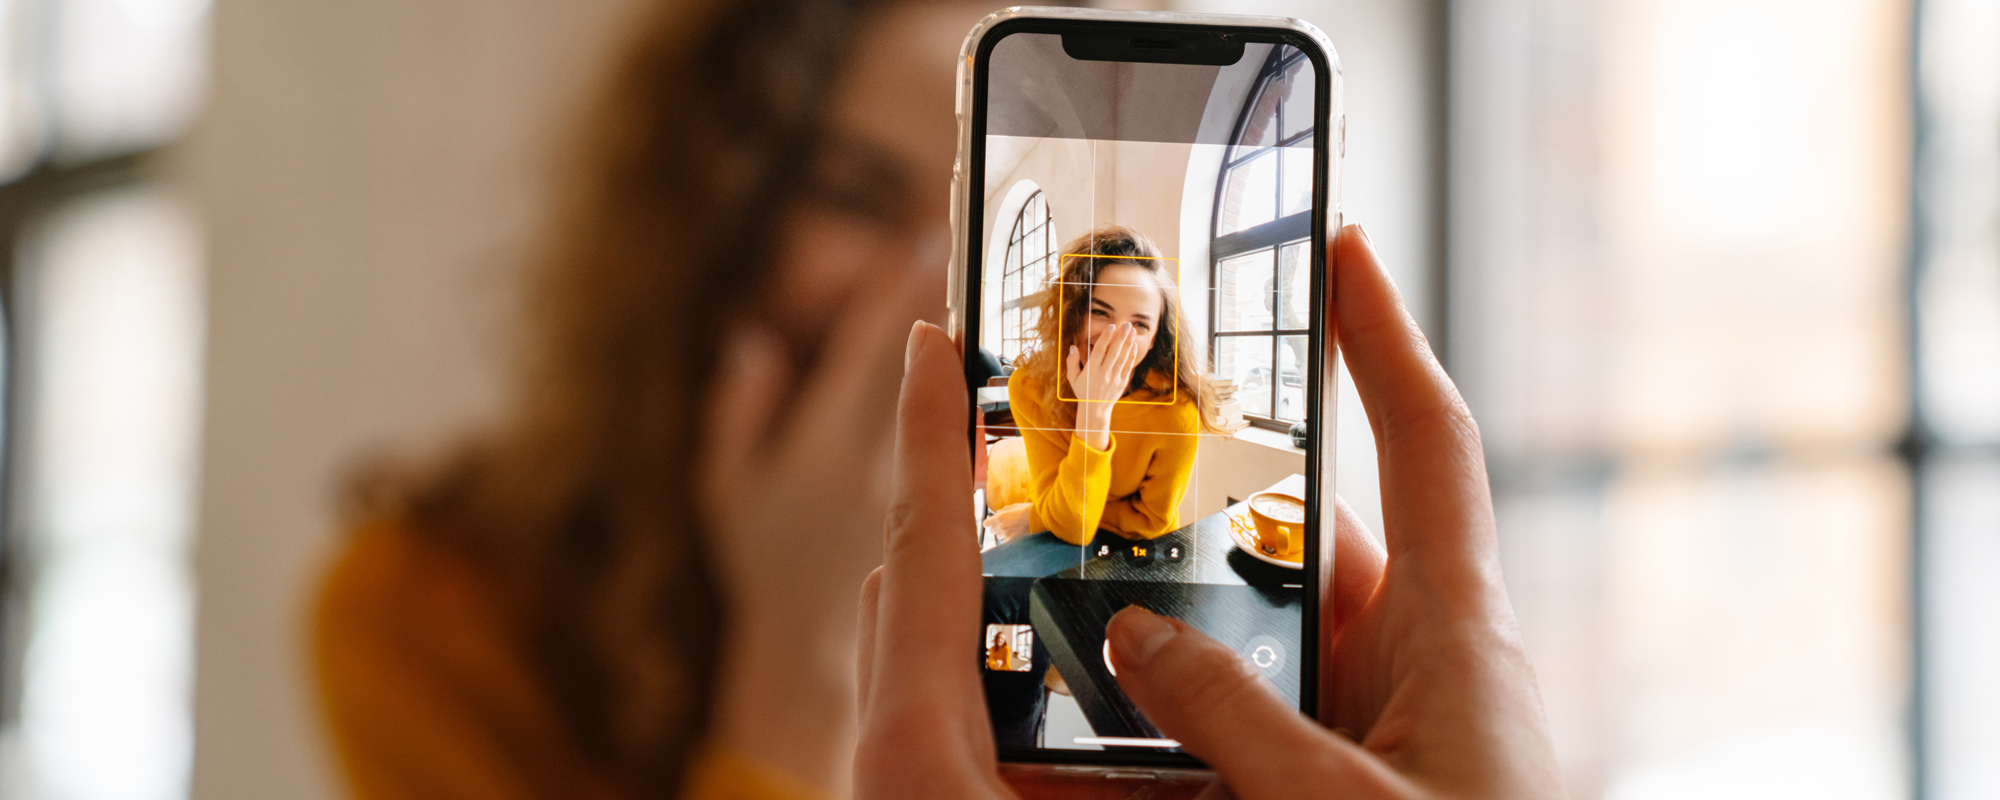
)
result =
(426, 697)
(1133, 488)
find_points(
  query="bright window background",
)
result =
(1679, 250)
(102, 270)
(1705, 526)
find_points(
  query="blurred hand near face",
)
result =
(1425, 682)
(795, 486)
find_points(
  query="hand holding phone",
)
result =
(1430, 693)
(1142, 208)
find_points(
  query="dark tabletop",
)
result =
(1070, 614)
(1195, 574)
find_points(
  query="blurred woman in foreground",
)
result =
(637, 587)
(640, 584)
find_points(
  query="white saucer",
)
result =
(1248, 544)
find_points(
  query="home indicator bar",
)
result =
(1125, 741)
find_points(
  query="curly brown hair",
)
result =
(1174, 355)
(583, 504)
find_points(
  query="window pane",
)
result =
(115, 312)
(1298, 100)
(1961, 586)
(1295, 289)
(1243, 289)
(1798, 692)
(1297, 165)
(1291, 378)
(1250, 194)
(1247, 361)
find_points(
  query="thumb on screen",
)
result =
(1221, 710)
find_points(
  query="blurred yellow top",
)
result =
(426, 696)
(1133, 488)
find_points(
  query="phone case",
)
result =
(1333, 121)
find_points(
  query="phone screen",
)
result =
(1143, 341)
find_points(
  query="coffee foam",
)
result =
(1279, 507)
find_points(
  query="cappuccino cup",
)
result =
(1281, 524)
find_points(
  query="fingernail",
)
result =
(1363, 230)
(910, 347)
(1138, 634)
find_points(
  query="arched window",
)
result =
(1263, 220)
(1026, 274)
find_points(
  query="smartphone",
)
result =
(1143, 203)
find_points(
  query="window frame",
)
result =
(1273, 235)
(1015, 265)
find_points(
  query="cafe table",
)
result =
(1195, 574)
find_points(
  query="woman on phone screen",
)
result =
(1111, 403)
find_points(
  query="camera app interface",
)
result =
(1140, 372)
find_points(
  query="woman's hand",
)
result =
(1100, 380)
(794, 494)
(1427, 688)
(1425, 681)
(1009, 522)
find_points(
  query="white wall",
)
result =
(369, 174)
(1090, 183)
(1235, 467)
(1087, 184)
